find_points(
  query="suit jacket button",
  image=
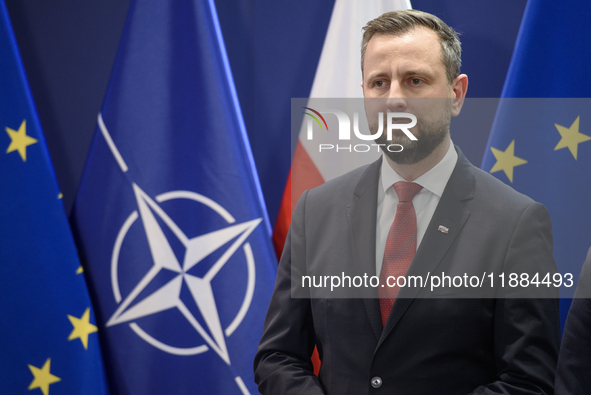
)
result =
(376, 382)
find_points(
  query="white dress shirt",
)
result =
(425, 202)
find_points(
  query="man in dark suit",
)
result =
(425, 211)
(573, 374)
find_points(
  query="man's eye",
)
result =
(379, 84)
(415, 81)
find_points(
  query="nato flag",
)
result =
(169, 215)
(48, 338)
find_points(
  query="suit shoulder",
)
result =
(345, 185)
(492, 189)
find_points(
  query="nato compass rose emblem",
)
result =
(168, 296)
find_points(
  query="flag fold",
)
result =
(48, 333)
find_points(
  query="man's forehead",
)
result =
(417, 44)
(416, 38)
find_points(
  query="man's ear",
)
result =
(459, 87)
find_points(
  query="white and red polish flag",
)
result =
(338, 76)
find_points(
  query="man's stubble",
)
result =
(430, 134)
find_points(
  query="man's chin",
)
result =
(408, 156)
(414, 151)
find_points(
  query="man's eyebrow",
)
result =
(419, 72)
(405, 73)
(379, 74)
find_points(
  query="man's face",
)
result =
(406, 74)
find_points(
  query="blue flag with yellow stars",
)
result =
(48, 336)
(540, 142)
(169, 213)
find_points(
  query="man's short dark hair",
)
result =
(404, 21)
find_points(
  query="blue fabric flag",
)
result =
(542, 145)
(48, 338)
(169, 215)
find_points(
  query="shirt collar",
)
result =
(434, 180)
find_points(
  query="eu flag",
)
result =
(169, 215)
(540, 142)
(48, 336)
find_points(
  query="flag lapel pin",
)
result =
(443, 229)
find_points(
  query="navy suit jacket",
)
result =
(452, 341)
(573, 375)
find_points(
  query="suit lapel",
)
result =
(361, 221)
(450, 213)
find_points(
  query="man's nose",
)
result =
(396, 101)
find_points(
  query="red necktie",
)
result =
(401, 246)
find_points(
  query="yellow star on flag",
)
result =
(82, 328)
(506, 160)
(571, 137)
(20, 140)
(42, 378)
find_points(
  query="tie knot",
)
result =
(406, 191)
